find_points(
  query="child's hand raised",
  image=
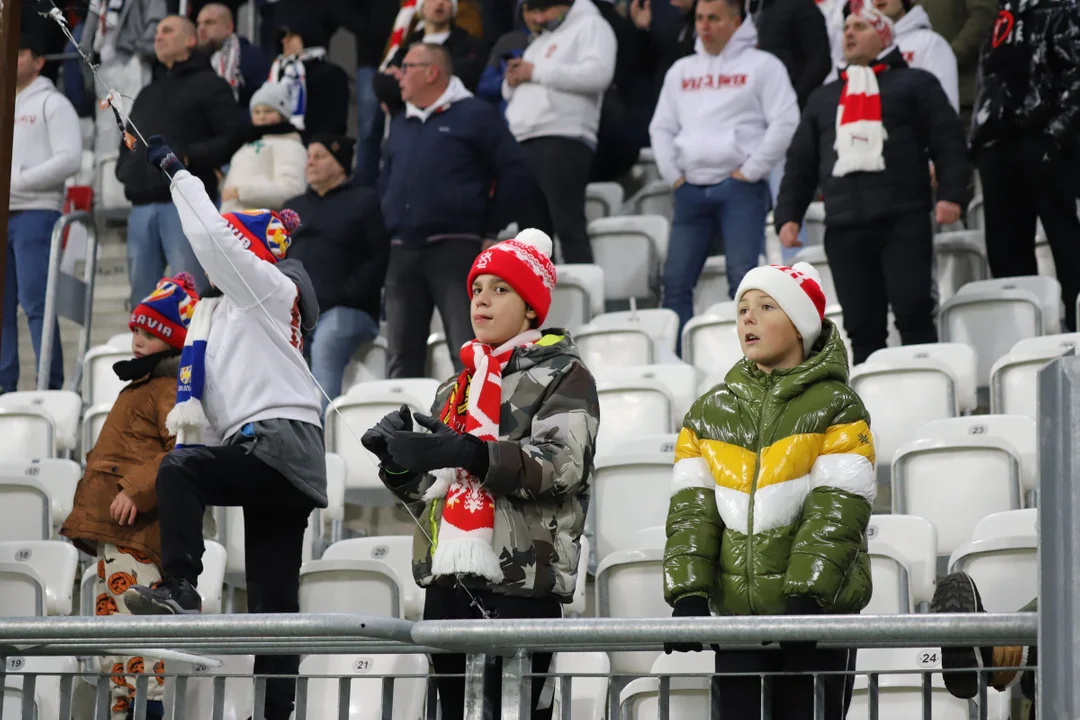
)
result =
(123, 509)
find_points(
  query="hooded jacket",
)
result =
(1031, 74)
(573, 66)
(722, 113)
(539, 471)
(46, 147)
(772, 490)
(965, 25)
(266, 173)
(925, 49)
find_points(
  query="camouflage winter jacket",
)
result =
(772, 489)
(539, 471)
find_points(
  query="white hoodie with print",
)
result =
(46, 147)
(721, 113)
(925, 49)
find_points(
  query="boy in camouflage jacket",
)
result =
(771, 495)
(500, 485)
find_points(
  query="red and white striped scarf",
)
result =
(860, 134)
(401, 29)
(463, 545)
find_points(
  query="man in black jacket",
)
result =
(878, 234)
(1026, 140)
(794, 31)
(243, 65)
(669, 38)
(344, 247)
(195, 111)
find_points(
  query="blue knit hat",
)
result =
(266, 233)
(166, 312)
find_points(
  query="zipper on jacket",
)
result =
(753, 497)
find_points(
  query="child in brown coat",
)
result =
(115, 509)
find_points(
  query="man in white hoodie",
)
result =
(922, 47)
(553, 95)
(725, 118)
(47, 150)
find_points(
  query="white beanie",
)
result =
(420, 6)
(273, 95)
(797, 290)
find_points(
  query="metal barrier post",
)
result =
(68, 296)
(1059, 537)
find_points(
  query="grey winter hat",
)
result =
(273, 95)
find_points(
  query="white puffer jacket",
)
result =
(266, 173)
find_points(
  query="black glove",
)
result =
(689, 606)
(160, 155)
(441, 448)
(799, 655)
(376, 439)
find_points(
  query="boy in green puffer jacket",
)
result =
(771, 495)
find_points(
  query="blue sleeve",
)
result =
(490, 86)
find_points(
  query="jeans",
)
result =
(155, 239)
(736, 210)
(775, 177)
(29, 240)
(370, 122)
(338, 334)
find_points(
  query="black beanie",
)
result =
(545, 4)
(339, 146)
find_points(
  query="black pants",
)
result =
(418, 280)
(884, 263)
(738, 697)
(1022, 180)
(443, 603)
(562, 167)
(275, 517)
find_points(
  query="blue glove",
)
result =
(159, 154)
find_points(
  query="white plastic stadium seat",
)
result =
(629, 584)
(689, 696)
(636, 337)
(25, 508)
(1014, 377)
(59, 477)
(814, 221)
(231, 532)
(681, 380)
(632, 407)
(631, 250)
(656, 198)
(93, 421)
(588, 686)
(365, 693)
(903, 561)
(578, 296)
(335, 490)
(958, 357)
(1001, 557)
(710, 342)
(367, 364)
(645, 167)
(815, 255)
(26, 433)
(631, 490)
(1018, 430)
(371, 576)
(959, 258)
(99, 382)
(712, 287)
(44, 702)
(603, 199)
(63, 406)
(237, 688)
(42, 571)
(440, 364)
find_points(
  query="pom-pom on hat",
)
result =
(166, 312)
(524, 263)
(266, 233)
(797, 289)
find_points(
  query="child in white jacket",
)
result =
(268, 171)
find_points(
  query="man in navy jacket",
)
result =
(452, 177)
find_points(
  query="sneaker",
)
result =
(171, 597)
(956, 593)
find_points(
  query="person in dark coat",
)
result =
(1026, 140)
(876, 183)
(666, 38)
(344, 246)
(794, 31)
(243, 65)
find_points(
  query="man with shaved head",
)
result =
(235, 60)
(196, 113)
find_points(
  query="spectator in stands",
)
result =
(370, 23)
(269, 170)
(247, 418)
(121, 35)
(725, 117)
(445, 152)
(509, 46)
(196, 111)
(874, 173)
(667, 42)
(343, 244)
(1026, 140)
(466, 52)
(46, 151)
(522, 451)
(964, 24)
(115, 511)
(318, 88)
(957, 592)
(794, 31)
(785, 535)
(554, 94)
(243, 65)
(922, 47)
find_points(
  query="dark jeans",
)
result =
(275, 517)
(562, 167)
(888, 262)
(1022, 180)
(443, 603)
(738, 697)
(418, 280)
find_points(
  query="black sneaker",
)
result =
(171, 597)
(956, 593)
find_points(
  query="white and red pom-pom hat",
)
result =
(797, 290)
(524, 263)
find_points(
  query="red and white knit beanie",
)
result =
(524, 263)
(876, 19)
(797, 290)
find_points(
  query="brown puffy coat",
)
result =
(126, 457)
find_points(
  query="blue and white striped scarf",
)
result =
(187, 420)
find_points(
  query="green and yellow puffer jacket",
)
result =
(772, 490)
